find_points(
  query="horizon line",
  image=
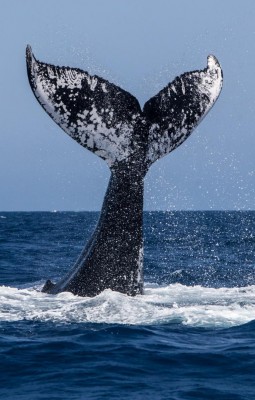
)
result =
(98, 211)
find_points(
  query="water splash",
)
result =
(195, 306)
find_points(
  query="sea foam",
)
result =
(187, 305)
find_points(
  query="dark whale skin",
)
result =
(109, 121)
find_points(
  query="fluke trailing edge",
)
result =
(109, 121)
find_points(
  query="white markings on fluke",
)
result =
(182, 105)
(108, 120)
(74, 100)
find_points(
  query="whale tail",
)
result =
(109, 121)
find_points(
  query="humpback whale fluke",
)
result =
(109, 121)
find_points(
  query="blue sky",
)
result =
(140, 45)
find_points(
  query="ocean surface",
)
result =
(191, 336)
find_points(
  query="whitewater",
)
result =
(193, 306)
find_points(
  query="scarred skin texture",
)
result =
(109, 121)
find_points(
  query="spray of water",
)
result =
(193, 306)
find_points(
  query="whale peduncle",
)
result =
(114, 256)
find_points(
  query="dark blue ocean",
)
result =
(191, 336)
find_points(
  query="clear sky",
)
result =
(140, 45)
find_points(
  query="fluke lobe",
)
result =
(109, 121)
